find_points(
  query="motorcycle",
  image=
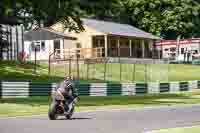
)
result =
(57, 107)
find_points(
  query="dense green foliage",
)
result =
(166, 18)
(44, 12)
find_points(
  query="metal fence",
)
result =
(111, 69)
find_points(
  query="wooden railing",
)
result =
(82, 53)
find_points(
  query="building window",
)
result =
(182, 50)
(166, 49)
(78, 45)
(35, 45)
(43, 46)
(195, 52)
(173, 49)
(57, 46)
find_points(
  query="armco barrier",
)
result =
(114, 89)
(40, 89)
(198, 84)
(26, 89)
(183, 86)
(83, 89)
(14, 89)
(0, 90)
(141, 88)
(164, 87)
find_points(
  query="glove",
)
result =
(77, 97)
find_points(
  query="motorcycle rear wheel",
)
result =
(52, 111)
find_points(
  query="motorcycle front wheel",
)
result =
(69, 116)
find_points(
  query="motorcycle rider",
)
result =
(66, 89)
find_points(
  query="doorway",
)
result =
(56, 45)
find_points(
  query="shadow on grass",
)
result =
(15, 71)
(111, 100)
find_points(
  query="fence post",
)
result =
(87, 69)
(70, 66)
(49, 69)
(120, 67)
(65, 65)
(35, 64)
(94, 70)
(168, 78)
(105, 63)
(134, 72)
(77, 62)
(145, 73)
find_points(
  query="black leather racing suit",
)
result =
(70, 91)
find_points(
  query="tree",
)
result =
(165, 17)
(45, 12)
(40, 13)
(102, 9)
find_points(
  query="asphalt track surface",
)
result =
(129, 121)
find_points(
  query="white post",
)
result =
(150, 43)
(130, 47)
(99, 42)
(118, 47)
(143, 49)
(63, 48)
(106, 45)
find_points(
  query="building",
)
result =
(42, 42)
(12, 41)
(181, 50)
(115, 39)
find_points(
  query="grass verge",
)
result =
(195, 129)
(39, 105)
(139, 72)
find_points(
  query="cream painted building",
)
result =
(115, 39)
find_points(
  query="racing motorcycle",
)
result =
(57, 107)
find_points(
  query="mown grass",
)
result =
(40, 105)
(195, 129)
(139, 72)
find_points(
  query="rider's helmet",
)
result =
(68, 78)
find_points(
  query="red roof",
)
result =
(181, 42)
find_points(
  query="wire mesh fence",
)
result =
(107, 70)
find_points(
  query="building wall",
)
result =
(43, 54)
(184, 46)
(84, 37)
